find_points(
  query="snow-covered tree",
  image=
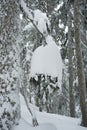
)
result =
(57, 28)
(36, 34)
(46, 73)
(9, 64)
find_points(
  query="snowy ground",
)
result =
(46, 121)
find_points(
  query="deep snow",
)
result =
(46, 121)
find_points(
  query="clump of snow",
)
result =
(41, 21)
(59, 6)
(47, 60)
(49, 40)
(66, 29)
(38, 18)
(23, 5)
(21, 16)
(28, 27)
(61, 25)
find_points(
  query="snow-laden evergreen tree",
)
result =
(36, 38)
(9, 64)
(58, 19)
(46, 74)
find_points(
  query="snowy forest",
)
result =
(43, 64)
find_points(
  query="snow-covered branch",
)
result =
(28, 19)
(26, 10)
(38, 19)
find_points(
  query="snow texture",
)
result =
(46, 121)
(28, 27)
(28, 12)
(41, 21)
(47, 60)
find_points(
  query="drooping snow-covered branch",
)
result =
(38, 19)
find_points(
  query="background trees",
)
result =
(56, 21)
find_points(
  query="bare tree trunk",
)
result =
(80, 71)
(70, 54)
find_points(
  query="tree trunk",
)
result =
(9, 61)
(70, 54)
(80, 71)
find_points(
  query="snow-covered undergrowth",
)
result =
(46, 121)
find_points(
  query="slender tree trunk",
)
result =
(9, 61)
(80, 71)
(70, 54)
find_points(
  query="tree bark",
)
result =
(70, 54)
(80, 71)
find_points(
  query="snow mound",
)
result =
(26, 120)
(46, 121)
(47, 60)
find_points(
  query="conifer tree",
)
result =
(9, 61)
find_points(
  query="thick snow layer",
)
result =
(47, 60)
(39, 18)
(41, 21)
(47, 121)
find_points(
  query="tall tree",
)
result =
(9, 61)
(80, 71)
(70, 54)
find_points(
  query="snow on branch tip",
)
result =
(25, 9)
(39, 19)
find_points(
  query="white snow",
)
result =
(27, 11)
(28, 27)
(40, 20)
(61, 25)
(21, 16)
(47, 121)
(47, 60)
(59, 6)
(66, 29)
